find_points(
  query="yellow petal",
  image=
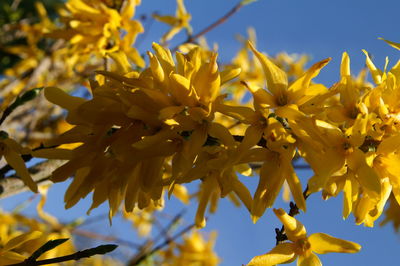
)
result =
(282, 253)
(393, 44)
(375, 73)
(11, 257)
(323, 243)
(208, 186)
(345, 66)
(243, 193)
(229, 74)
(300, 86)
(347, 199)
(207, 80)
(310, 260)
(21, 239)
(389, 145)
(293, 228)
(369, 179)
(156, 68)
(61, 98)
(18, 164)
(276, 78)
(269, 186)
(121, 61)
(164, 56)
(220, 132)
(295, 185)
(182, 90)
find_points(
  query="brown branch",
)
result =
(217, 22)
(100, 250)
(93, 235)
(146, 252)
(40, 174)
(213, 25)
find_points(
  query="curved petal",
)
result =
(18, 164)
(293, 228)
(310, 260)
(21, 239)
(323, 243)
(277, 81)
(282, 253)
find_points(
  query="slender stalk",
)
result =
(218, 22)
(143, 256)
(213, 25)
(76, 256)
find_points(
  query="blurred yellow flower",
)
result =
(178, 22)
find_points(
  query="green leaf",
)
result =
(49, 245)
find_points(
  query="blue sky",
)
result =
(322, 29)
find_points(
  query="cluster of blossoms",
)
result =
(186, 117)
(166, 125)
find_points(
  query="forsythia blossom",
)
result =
(301, 246)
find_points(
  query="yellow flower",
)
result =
(279, 92)
(178, 22)
(94, 28)
(302, 246)
(193, 251)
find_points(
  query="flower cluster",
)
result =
(152, 128)
(165, 125)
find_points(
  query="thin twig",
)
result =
(40, 173)
(76, 256)
(218, 22)
(93, 235)
(143, 256)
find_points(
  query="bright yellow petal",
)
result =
(389, 145)
(229, 74)
(293, 228)
(295, 185)
(269, 186)
(207, 81)
(345, 65)
(323, 243)
(393, 44)
(282, 253)
(276, 78)
(208, 186)
(347, 199)
(310, 260)
(299, 87)
(375, 72)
